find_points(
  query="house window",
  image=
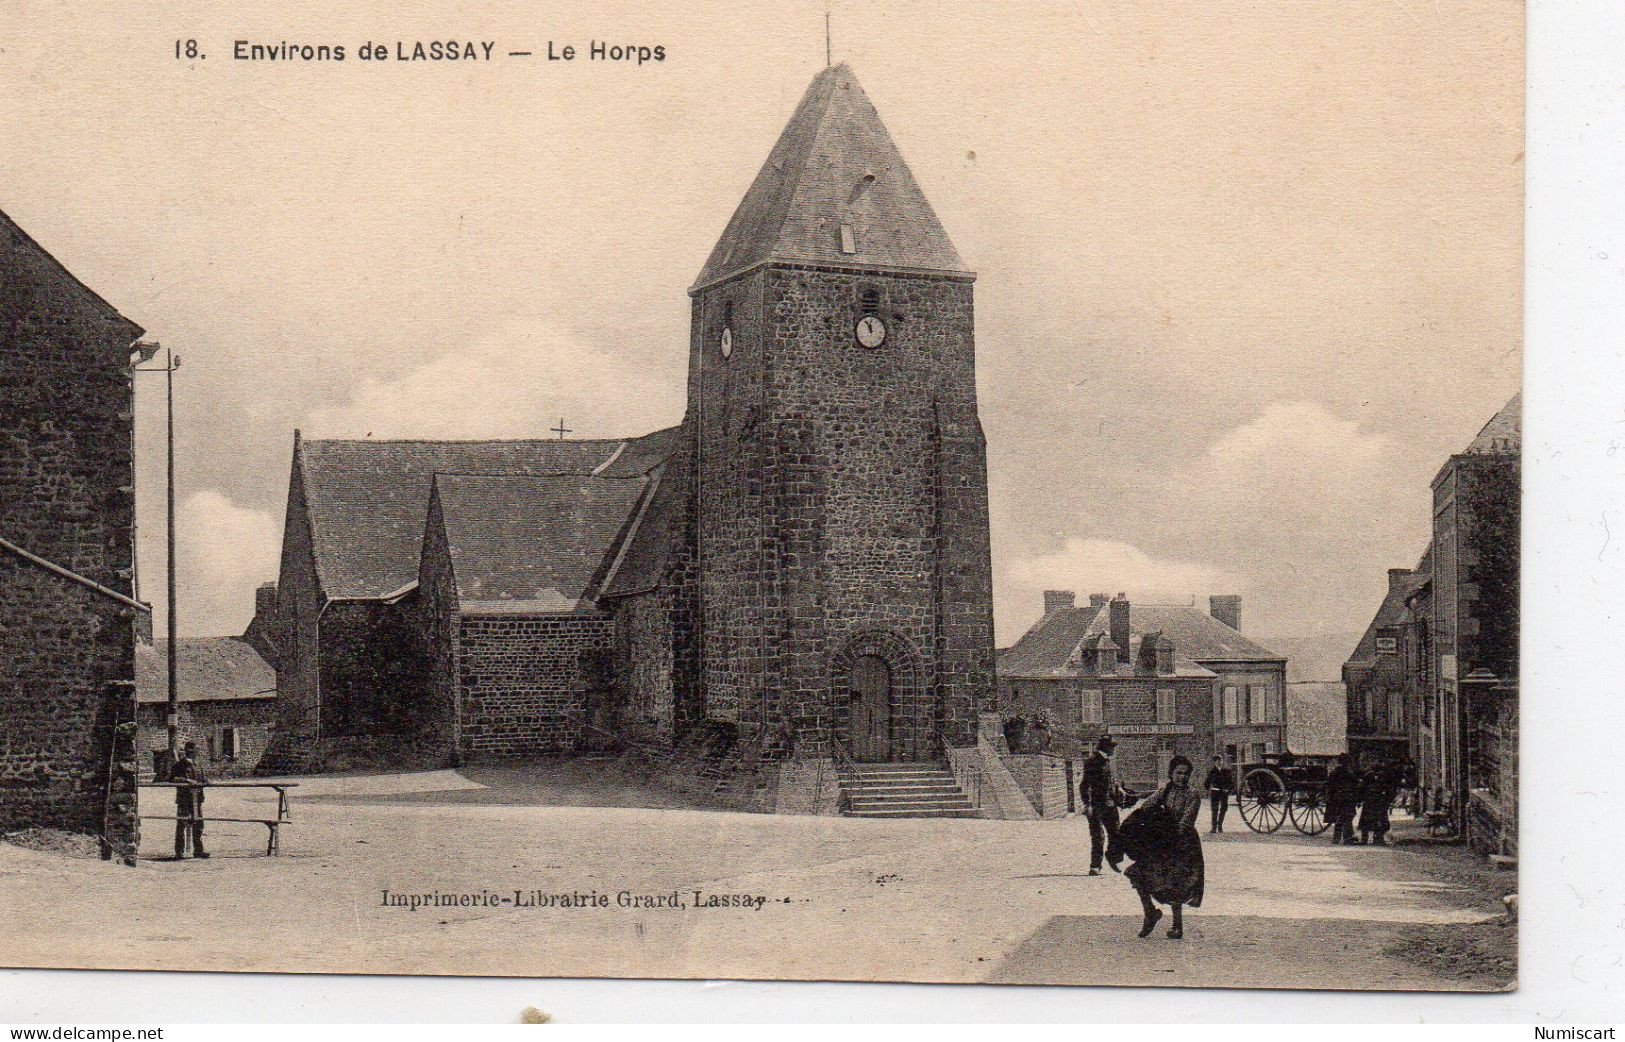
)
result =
(1094, 707)
(1263, 704)
(1165, 705)
(1396, 713)
(1232, 705)
(230, 743)
(1259, 749)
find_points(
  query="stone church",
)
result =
(802, 564)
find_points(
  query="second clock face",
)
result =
(871, 332)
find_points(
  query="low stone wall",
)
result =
(1043, 780)
(808, 787)
(1001, 796)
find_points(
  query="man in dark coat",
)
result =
(1221, 782)
(1099, 790)
(1377, 789)
(1342, 799)
(188, 802)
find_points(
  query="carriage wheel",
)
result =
(1308, 812)
(1262, 800)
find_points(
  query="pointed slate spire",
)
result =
(834, 190)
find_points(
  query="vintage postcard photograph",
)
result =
(1015, 493)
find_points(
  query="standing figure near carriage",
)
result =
(1221, 782)
(1377, 789)
(1343, 799)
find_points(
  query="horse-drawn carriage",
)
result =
(1285, 787)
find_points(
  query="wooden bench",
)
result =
(273, 841)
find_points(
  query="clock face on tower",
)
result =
(871, 332)
(727, 341)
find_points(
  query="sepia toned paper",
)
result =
(723, 470)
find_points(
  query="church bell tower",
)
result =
(839, 468)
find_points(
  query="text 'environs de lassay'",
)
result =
(440, 51)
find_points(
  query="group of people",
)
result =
(1368, 793)
(1167, 867)
(1166, 849)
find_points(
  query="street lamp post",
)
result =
(171, 363)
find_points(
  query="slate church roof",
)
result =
(368, 500)
(532, 543)
(834, 167)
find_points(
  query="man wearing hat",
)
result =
(188, 802)
(1099, 790)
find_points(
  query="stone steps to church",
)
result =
(952, 812)
(903, 790)
(923, 789)
(925, 803)
(897, 772)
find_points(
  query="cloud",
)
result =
(1296, 453)
(1108, 566)
(225, 550)
(1309, 509)
(513, 385)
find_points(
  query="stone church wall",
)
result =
(375, 699)
(296, 627)
(644, 664)
(528, 680)
(842, 503)
(67, 654)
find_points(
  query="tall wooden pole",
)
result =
(174, 693)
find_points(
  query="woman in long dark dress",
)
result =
(1171, 871)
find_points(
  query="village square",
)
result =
(669, 703)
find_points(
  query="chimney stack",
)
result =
(1226, 609)
(1054, 600)
(1119, 631)
(1098, 601)
(265, 599)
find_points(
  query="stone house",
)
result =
(801, 567)
(68, 607)
(1160, 679)
(1383, 699)
(1446, 638)
(227, 697)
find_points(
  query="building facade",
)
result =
(1162, 680)
(68, 611)
(1445, 639)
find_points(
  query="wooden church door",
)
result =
(871, 709)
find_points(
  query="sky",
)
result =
(1248, 273)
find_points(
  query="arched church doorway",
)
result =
(871, 709)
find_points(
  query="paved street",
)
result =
(946, 900)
